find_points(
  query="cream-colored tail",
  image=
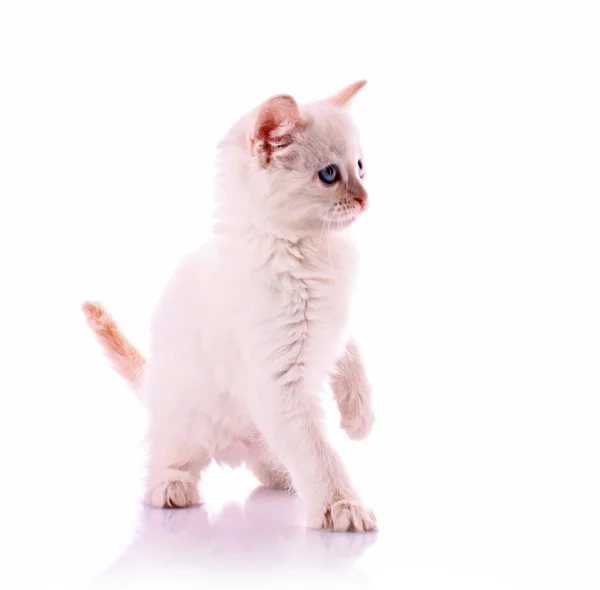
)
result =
(125, 358)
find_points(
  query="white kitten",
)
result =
(253, 324)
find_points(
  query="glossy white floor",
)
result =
(501, 493)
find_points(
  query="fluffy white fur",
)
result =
(253, 325)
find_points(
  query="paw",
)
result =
(174, 491)
(345, 516)
(358, 423)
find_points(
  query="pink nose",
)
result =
(362, 200)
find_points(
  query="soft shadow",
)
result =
(257, 542)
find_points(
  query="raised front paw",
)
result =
(358, 423)
(344, 516)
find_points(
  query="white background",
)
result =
(478, 305)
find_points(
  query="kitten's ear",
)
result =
(344, 97)
(277, 120)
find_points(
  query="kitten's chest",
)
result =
(314, 286)
(296, 306)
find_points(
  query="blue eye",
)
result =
(329, 174)
(361, 170)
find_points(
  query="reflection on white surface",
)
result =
(263, 537)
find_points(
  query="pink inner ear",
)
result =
(276, 122)
(343, 97)
(277, 117)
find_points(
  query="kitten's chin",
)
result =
(343, 222)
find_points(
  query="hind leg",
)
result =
(174, 471)
(178, 438)
(268, 470)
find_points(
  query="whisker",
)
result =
(322, 228)
(329, 244)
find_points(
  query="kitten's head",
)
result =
(295, 168)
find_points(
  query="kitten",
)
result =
(253, 324)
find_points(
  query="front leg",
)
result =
(352, 392)
(287, 411)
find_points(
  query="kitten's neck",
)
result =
(250, 230)
(324, 253)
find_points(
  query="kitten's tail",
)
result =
(125, 358)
